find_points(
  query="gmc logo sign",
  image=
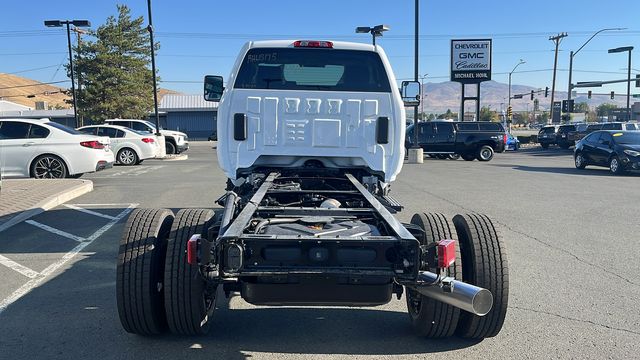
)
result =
(471, 55)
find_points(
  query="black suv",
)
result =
(562, 136)
(547, 136)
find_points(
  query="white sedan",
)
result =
(43, 149)
(130, 146)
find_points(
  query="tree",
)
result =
(604, 109)
(487, 115)
(116, 78)
(448, 115)
(581, 107)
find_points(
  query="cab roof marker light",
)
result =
(313, 44)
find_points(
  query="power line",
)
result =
(33, 69)
(38, 84)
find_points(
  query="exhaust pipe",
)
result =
(471, 298)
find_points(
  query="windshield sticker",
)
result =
(617, 134)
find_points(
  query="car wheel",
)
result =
(544, 145)
(127, 157)
(615, 166)
(454, 156)
(429, 317)
(170, 147)
(468, 157)
(49, 167)
(564, 146)
(485, 153)
(580, 161)
(484, 264)
(140, 271)
(76, 176)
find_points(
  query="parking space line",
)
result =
(109, 204)
(18, 267)
(56, 231)
(31, 284)
(91, 212)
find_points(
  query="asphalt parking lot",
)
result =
(571, 238)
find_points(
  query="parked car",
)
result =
(175, 141)
(471, 140)
(547, 136)
(562, 136)
(579, 132)
(44, 149)
(512, 143)
(617, 150)
(130, 146)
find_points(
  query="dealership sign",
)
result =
(471, 60)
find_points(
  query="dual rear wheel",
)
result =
(480, 260)
(157, 289)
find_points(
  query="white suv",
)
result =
(175, 141)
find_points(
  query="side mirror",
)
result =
(213, 87)
(410, 92)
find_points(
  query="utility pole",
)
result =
(79, 32)
(556, 39)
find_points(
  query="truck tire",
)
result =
(485, 153)
(484, 263)
(189, 303)
(429, 317)
(140, 270)
(468, 157)
(170, 147)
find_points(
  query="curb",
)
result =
(173, 157)
(49, 203)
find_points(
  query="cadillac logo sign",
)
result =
(471, 61)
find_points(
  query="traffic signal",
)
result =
(589, 94)
(638, 80)
(567, 106)
(546, 91)
(612, 95)
(509, 112)
(531, 94)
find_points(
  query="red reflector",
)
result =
(313, 44)
(446, 253)
(148, 140)
(192, 250)
(92, 144)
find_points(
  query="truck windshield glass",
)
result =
(312, 69)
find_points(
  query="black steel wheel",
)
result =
(429, 317)
(189, 300)
(484, 264)
(127, 157)
(140, 271)
(49, 167)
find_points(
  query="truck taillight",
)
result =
(92, 144)
(504, 138)
(313, 44)
(148, 140)
(446, 250)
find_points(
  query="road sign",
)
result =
(555, 112)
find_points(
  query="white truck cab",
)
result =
(290, 102)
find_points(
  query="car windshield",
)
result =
(627, 138)
(64, 128)
(312, 69)
(548, 130)
(152, 125)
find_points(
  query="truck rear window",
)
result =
(312, 69)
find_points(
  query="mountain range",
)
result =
(446, 95)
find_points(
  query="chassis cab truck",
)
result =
(311, 135)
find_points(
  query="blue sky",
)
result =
(202, 37)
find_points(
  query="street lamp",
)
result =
(572, 54)
(422, 94)
(153, 71)
(514, 69)
(619, 50)
(76, 23)
(375, 31)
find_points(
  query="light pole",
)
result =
(422, 95)
(375, 31)
(76, 23)
(573, 54)
(153, 70)
(623, 49)
(514, 69)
